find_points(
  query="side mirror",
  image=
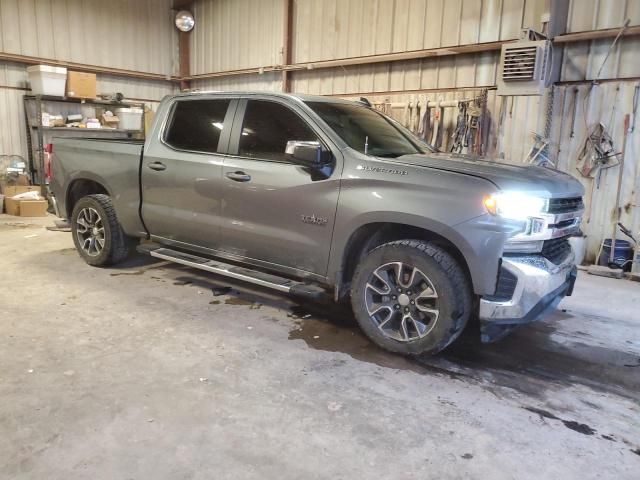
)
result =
(307, 154)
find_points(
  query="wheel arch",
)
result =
(81, 187)
(370, 235)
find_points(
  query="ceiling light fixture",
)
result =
(185, 21)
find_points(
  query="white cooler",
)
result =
(46, 80)
(130, 118)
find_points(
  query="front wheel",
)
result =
(97, 234)
(411, 297)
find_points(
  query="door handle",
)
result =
(238, 176)
(157, 166)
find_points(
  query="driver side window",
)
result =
(266, 129)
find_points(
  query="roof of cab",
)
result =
(295, 96)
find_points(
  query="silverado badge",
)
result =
(392, 171)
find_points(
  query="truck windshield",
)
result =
(359, 126)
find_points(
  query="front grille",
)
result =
(556, 250)
(564, 205)
(505, 287)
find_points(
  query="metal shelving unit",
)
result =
(36, 132)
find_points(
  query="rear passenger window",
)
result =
(266, 129)
(197, 124)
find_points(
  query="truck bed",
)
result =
(114, 163)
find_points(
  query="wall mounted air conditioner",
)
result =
(524, 68)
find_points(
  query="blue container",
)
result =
(621, 256)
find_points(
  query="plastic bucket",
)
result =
(130, 118)
(621, 256)
(47, 80)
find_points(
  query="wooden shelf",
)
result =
(50, 98)
(33, 107)
(76, 129)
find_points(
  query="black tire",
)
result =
(452, 298)
(116, 244)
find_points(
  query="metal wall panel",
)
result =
(136, 35)
(236, 34)
(583, 61)
(271, 81)
(606, 103)
(329, 29)
(12, 131)
(458, 71)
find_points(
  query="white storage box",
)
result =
(130, 118)
(46, 80)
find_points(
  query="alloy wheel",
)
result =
(90, 231)
(402, 301)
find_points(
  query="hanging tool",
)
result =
(597, 153)
(460, 132)
(473, 140)
(425, 124)
(436, 126)
(573, 113)
(627, 131)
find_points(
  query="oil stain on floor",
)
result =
(528, 361)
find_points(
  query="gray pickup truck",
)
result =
(326, 198)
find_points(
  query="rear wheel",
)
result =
(97, 234)
(411, 297)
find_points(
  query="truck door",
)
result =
(182, 172)
(276, 213)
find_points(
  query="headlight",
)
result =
(515, 205)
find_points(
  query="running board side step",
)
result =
(274, 282)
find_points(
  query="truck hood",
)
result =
(539, 181)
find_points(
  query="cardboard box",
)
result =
(11, 190)
(26, 208)
(110, 121)
(81, 85)
(33, 208)
(23, 208)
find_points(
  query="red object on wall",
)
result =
(48, 149)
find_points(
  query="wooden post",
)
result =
(183, 46)
(185, 65)
(287, 42)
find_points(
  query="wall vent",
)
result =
(523, 68)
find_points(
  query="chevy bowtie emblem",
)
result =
(314, 220)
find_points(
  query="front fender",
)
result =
(480, 241)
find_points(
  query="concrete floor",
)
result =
(140, 372)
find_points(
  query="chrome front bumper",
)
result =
(540, 286)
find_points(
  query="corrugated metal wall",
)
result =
(236, 34)
(135, 35)
(606, 103)
(583, 60)
(99, 33)
(328, 29)
(267, 81)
